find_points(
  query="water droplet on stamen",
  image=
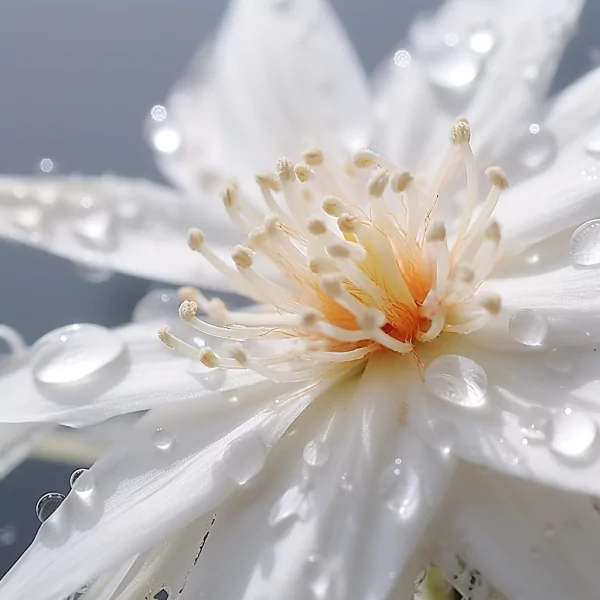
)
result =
(571, 434)
(456, 379)
(584, 245)
(72, 353)
(316, 453)
(528, 327)
(48, 504)
(244, 458)
(162, 439)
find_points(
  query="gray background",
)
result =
(77, 78)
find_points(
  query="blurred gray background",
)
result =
(77, 79)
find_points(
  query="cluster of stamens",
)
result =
(361, 264)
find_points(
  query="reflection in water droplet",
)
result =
(584, 245)
(48, 504)
(157, 305)
(528, 327)
(592, 147)
(215, 379)
(483, 39)
(72, 353)
(571, 434)
(454, 71)
(244, 458)
(536, 148)
(84, 484)
(560, 360)
(162, 439)
(402, 58)
(400, 491)
(456, 379)
(75, 475)
(316, 453)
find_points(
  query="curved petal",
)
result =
(532, 542)
(492, 61)
(527, 423)
(108, 223)
(177, 464)
(145, 375)
(280, 76)
(342, 522)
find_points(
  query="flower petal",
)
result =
(341, 509)
(144, 376)
(16, 442)
(527, 424)
(532, 542)
(280, 76)
(108, 223)
(177, 464)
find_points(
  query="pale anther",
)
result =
(333, 285)
(333, 206)
(238, 353)
(313, 157)
(230, 195)
(436, 232)
(208, 358)
(347, 223)
(492, 303)
(316, 226)
(303, 172)
(378, 183)
(492, 232)
(187, 310)
(363, 158)
(321, 264)
(164, 335)
(196, 239)
(497, 176)
(268, 181)
(400, 180)
(243, 257)
(285, 170)
(461, 132)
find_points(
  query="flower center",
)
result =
(350, 264)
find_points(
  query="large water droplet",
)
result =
(400, 491)
(456, 379)
(157, 305)
(560, 360)
(537, 148)
(528, 327)
(72, 353)
(84, 483)
(163, 439)
(244, 458)
(584, 245)
(48, 504)
(483, 39)
(316, 453)
(96, 230)
(571, 434)
(454, 71)
(592, 147)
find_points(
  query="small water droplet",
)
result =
(400, 491)
(48, 504)
(72, 353)
(584, 245)
(84, 484)
(483, 39)
(214, 379)
(537, 148)
(316, 453)
(571, 434)
(402, 58)
(75, 475)
(162, 439)
(528, 327)
(456, 379)
(244, 458)
(96, 229)
(592, 147)
(533, 426)
(8, 535)
(46, 165)
(560, 360)
(318, 577)
(157, 305)
(346, 482)
(454, 71)
(158, 112)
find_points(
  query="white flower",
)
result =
(412, 326)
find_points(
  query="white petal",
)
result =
(16, 442)
(279, 77)
(345, 527)
(515, 430)
(107, 223)
(177, 464)
(146, 375)
(416, 111)
(534, 543)
(567, 298)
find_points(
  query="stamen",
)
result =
(313, 157)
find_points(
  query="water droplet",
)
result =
(46, 165)
(592, 147)
(292, 505)
(318, 577)
(214, 379)
(483, 39)
(158, 112)
(402, 58)
(72, 353)
(316, 453)
(162, 439)
(571, 434)
(584, 245)
(96, 230)
(84, 483)
(456, 379)
(48, 504)
(401, 491)
(157, 305)
(166, 139)
(528, 327)
(346, 482)
(533, 426)
(244, 458)
(537, 148)
(560, 360)
(454, 71)
(75, 475)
